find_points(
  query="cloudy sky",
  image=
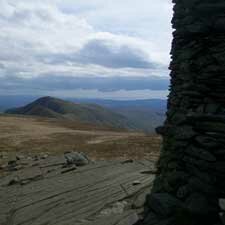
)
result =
(85, 48)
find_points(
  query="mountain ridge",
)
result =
(57, 108)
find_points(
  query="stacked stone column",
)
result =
(191, 169)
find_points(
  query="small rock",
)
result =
(35, 158)
(18, 157)
(12, 165)
(222, 204)
(222, 217)
(14, 181)
(24, 182)
(127, 161)
(44, 156)
(116, 208)
(182, 192)
(136, 182)
(76, 158)
(197, 203)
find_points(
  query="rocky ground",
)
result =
(41, 183)
(71, 189)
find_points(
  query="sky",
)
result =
(116, 49)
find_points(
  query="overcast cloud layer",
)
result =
(47, 45)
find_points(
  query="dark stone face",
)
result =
(192, 164)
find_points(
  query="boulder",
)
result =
(76, 158)
(163, 204)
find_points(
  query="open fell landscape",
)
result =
(34, 135)
(131, 130)
(59, 170)
(55, 126)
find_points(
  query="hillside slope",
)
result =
(146, 114)
(60, 109)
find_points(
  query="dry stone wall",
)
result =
(191, 170)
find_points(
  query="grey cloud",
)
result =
(98, 52)
(106, 54)
(38, 41)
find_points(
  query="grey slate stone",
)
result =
(222, 204)
(163, 204)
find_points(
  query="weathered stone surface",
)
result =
(100, 193)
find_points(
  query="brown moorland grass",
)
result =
(35, 135)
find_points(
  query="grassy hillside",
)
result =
(31, 135)
(60, 109)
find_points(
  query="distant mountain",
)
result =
(145, 114)
(141, 114)
(60, 109)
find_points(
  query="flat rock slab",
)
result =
(101, 193)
